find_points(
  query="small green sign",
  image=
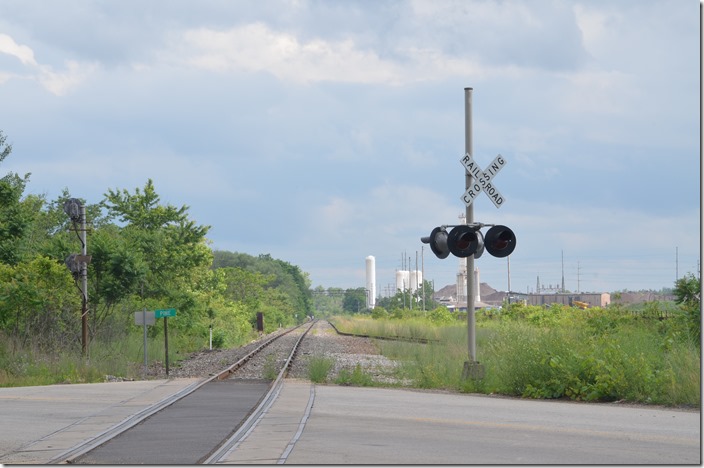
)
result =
(161, 313)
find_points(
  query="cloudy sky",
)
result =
(322, 132)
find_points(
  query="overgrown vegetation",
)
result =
(145, 255)
(598, 354)
(318, 368)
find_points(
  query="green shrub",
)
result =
(441, 315)
(379, 313)
(598, 354)
(357, 377)
(271, 370)
(318, 368)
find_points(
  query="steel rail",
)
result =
(388, 338)
(86, 446)
(229, 445)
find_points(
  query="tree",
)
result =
(355, 300)
(245, 287)
(327, 302)
(38, 300)
(172, 247)
(15, 215)
(284, 277)
(688, 295)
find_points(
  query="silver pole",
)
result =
(469, 180)
(422, 273)
(508, 272)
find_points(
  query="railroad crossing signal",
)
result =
(482, 180)
(467, 239)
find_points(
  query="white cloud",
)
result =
(58, 82)
(21, 52)
(255, 47)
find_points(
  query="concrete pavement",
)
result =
(349, 425)
(40, 423)
(317, 424)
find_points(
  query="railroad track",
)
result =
(181, 429)
(205, 422)
(409, 339)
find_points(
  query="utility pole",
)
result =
(84, 283)
(422, 273)
(78, 263)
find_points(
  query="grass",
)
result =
(594, 355)
(318, 368)
(270, 368)
(28, 365)
(409, 328)
(357, 377)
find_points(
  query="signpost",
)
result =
(148, 317)
(144, 318)
(165, 313)
(476, 181)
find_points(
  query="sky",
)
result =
(322, 132)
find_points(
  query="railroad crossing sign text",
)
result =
(482, 180)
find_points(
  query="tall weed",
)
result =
(557, 352)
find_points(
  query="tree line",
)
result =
(145, 254)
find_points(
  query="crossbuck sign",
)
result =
(482, 180)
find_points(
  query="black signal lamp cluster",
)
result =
(467, 239)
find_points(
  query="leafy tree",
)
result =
(116, 271)
(688, 295)
(38, 303)
(283, 278)
(355, 300)
(245, 287)
(171, 246)
(327, 302)
(15, 215)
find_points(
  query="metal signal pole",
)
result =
(469, 219)
(84, 283)
(472, 368)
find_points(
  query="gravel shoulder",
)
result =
(322, 341)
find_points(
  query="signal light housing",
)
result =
(466, 240)
(500, 241)
(438, 242)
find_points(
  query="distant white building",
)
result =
(371, 282)
(409, 280)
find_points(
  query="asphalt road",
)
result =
(185, 432)
(313, 424)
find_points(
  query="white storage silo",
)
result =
(416, 280)
(402, 280)
(371, 282)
